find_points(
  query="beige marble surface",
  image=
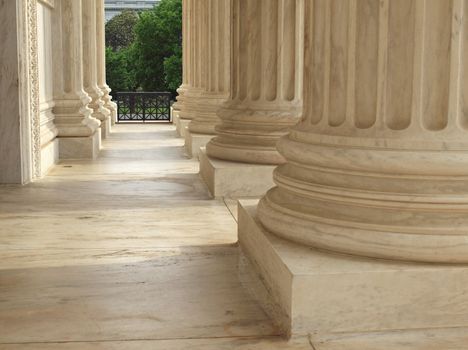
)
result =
(313, 291)
(423, 339)
(124, 252)
(10, 140)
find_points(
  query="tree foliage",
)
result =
(120, 32)
(159, 38)
(149, 55)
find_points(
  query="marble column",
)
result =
(185, 60)
(90, 80)
(266, 92)
(78, 130)
(193, 68)
(216, 78)
(377, 169)
(101, 62)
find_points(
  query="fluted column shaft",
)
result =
(73, 116)
(215, 62)
(186, 57)
(266, 87)
(90, 80)
(187, 102)
(101, 60)
(378, 167)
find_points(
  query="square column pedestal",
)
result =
(106, 127)
(315, 292)
(181, 125)
(193, 142)
(80, 147)
(232, 179)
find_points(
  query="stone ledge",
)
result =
(232, 179)
(193, 142)
(316, 292)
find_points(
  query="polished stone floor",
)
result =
(130, 252)
(125, 252)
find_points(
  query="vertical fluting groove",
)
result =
(199, 21)
(234, 59)
(366, 62)
(184, 42)
(418, 64)
(463, 121)
(193, 44)
(351, 64)
(217, 34)
(220, 42)
(270, 29)
(299, 49)
(455, 65)
(326, 61)
(318, 72)
(307, 116)
(280, 48)
(288, 56)
(242, 42)
(256, 20)
(400, 70)
(339, 24)
(382, 59)
(437, 64)
(226, 69)
(213, 37)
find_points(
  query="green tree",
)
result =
(173, 70)
(158, 47)
(120, 32)
(119, 66)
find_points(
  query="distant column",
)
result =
(90, 67)
(101, 61)
(216, 43)
(78, 130)
(193, 57)
(265, 98)
(266, 91)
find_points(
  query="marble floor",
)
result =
(130, 252)
(125, 252)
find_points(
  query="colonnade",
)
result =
(83, 108)
(357, 110)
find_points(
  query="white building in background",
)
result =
(114, 7)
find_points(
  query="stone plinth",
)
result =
(181, 126)
(232, 179)
(194, 141)
(312, 291)
(86, 147)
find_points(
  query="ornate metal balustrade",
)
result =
(143, 106)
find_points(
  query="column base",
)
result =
(49, 156)
(181, 125)
(106, 126)
(80, 147)
(194, 141)
(316, 292)
(233, 179)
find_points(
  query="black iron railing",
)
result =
(143, 106)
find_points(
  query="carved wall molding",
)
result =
(49, 3)
(32, 84)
